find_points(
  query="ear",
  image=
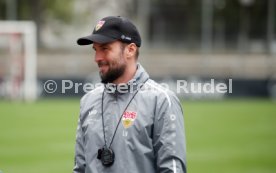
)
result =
(131, 50)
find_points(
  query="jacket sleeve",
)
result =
(79, 166)
(169, 137)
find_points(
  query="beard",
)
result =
(116, 69)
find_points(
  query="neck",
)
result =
(128, 74)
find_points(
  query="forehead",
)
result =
(111, 44)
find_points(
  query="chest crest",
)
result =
(128, 118)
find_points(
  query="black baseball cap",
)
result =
(113, 28)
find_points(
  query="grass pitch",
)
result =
(222, 136)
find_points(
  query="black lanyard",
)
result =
(106, 154)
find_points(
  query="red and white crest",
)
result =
(128, 118)
(99, 25)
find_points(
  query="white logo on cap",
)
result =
(125, 38)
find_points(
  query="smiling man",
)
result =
(130, 124)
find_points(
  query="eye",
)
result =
(104, 48)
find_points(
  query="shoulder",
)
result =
(91, 96)
(163, 93)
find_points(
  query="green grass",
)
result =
(222, 136)
(37, 138)
(231, 136)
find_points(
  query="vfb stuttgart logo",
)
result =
(128, 118)
(99, 25)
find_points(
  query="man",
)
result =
(130, 124)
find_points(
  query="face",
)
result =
(111, 60)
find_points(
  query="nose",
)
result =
(98, 57)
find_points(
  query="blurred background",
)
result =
(182, 39)
(192, 40)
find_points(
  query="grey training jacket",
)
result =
(150, 137)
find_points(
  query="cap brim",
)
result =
(94, 38)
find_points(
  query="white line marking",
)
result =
(174, 166)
